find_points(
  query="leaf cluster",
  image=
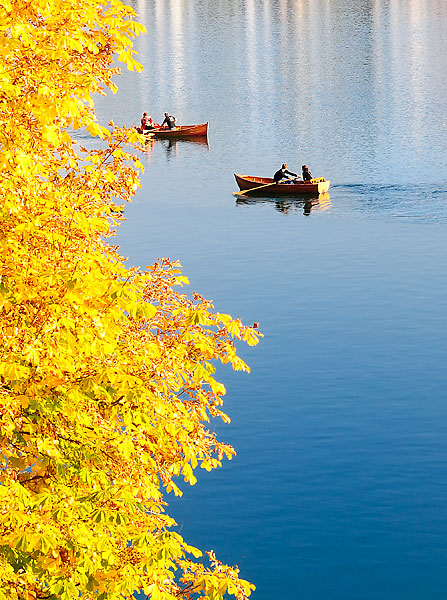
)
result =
(106, 371)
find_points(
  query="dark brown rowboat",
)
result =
(315, 186)
(183, 131)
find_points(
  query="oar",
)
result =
(260, 187)
(254, 189)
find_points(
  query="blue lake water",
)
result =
(339, 487)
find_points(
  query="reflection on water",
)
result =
(173, 143)
(288, 205)
(173, 147)
(356, 88)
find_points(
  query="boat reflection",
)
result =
(172, 146)
(149, 143)
(172, 142)
(289, 204)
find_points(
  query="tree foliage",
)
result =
(106, 374)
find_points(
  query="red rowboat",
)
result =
(315, 186)
(183, 131)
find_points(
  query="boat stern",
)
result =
(323, 186)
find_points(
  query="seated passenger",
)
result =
(283, 173)
(307, 175)
(146, 123)
(169, 121)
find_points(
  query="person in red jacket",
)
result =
(146, 122)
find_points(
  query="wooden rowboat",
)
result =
(183, 131)
(315, 186)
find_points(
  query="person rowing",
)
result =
(169, 121)
(283, 173)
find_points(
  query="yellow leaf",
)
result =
(23, 400)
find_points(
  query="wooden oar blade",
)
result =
(255, 189)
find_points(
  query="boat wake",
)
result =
(418, 202)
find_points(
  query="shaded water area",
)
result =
(339, 487)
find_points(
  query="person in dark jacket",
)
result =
(307, 175)
(283, 173)
(169, 121)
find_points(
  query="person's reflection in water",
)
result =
(308, 204)
(282, 206)
(287, 207)
(149, 145)
(170, 145)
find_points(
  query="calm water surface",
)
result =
(339, 488)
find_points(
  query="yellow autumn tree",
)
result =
(106, 374)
